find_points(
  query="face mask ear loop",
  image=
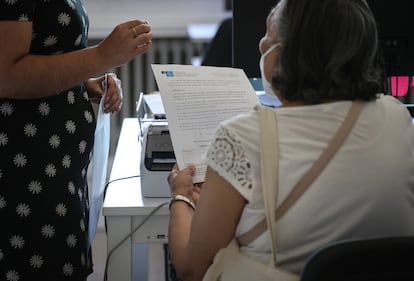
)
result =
(267, 86)
(274, 46)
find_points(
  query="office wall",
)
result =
(168, 18)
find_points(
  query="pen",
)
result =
(105, 84)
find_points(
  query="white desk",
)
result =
(125, 208)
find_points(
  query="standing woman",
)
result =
(47, 78)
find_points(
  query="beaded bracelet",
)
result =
(182, 198)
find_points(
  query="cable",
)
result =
(112, 181)
(108, 183)
(129, 236)
(133, 231)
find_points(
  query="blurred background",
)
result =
(182, 30)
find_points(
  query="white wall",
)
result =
(168, 18)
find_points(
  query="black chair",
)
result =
(219, 50)
(377, 259)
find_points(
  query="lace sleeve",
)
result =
(227, 156)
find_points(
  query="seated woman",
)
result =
(317, 58)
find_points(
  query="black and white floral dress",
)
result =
(45, 149)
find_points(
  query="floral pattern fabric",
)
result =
(45, 150)
(227, 153)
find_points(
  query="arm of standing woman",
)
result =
(24, 76)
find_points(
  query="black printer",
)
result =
(157, 160)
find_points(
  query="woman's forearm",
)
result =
(24, 76)
(34, 76)
(178, 238)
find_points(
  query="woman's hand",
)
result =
(113, 97)
(181, 183)
(126, 41)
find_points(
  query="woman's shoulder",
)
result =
(389, 100)
(393, 106)
(242, 124)
(240, 132)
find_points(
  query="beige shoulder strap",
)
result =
(310, 176)
(269, 169)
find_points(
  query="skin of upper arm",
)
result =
(14, 45)
(214, 223)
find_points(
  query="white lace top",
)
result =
(368, 183)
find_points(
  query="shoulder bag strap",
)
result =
(310, 176)
(269, 169)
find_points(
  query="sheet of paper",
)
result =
(196, 99)
(155, 105)
(99, 168)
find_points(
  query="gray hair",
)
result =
(329, 50)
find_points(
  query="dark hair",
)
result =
(329, 51)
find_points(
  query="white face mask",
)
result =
(267, 86)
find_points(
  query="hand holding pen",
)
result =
(108, 87)
(113, 95)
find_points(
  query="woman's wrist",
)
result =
(181, 198)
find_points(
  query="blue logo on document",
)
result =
(168, 73)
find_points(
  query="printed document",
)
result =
(196, 99)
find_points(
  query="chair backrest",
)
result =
(376, 259)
